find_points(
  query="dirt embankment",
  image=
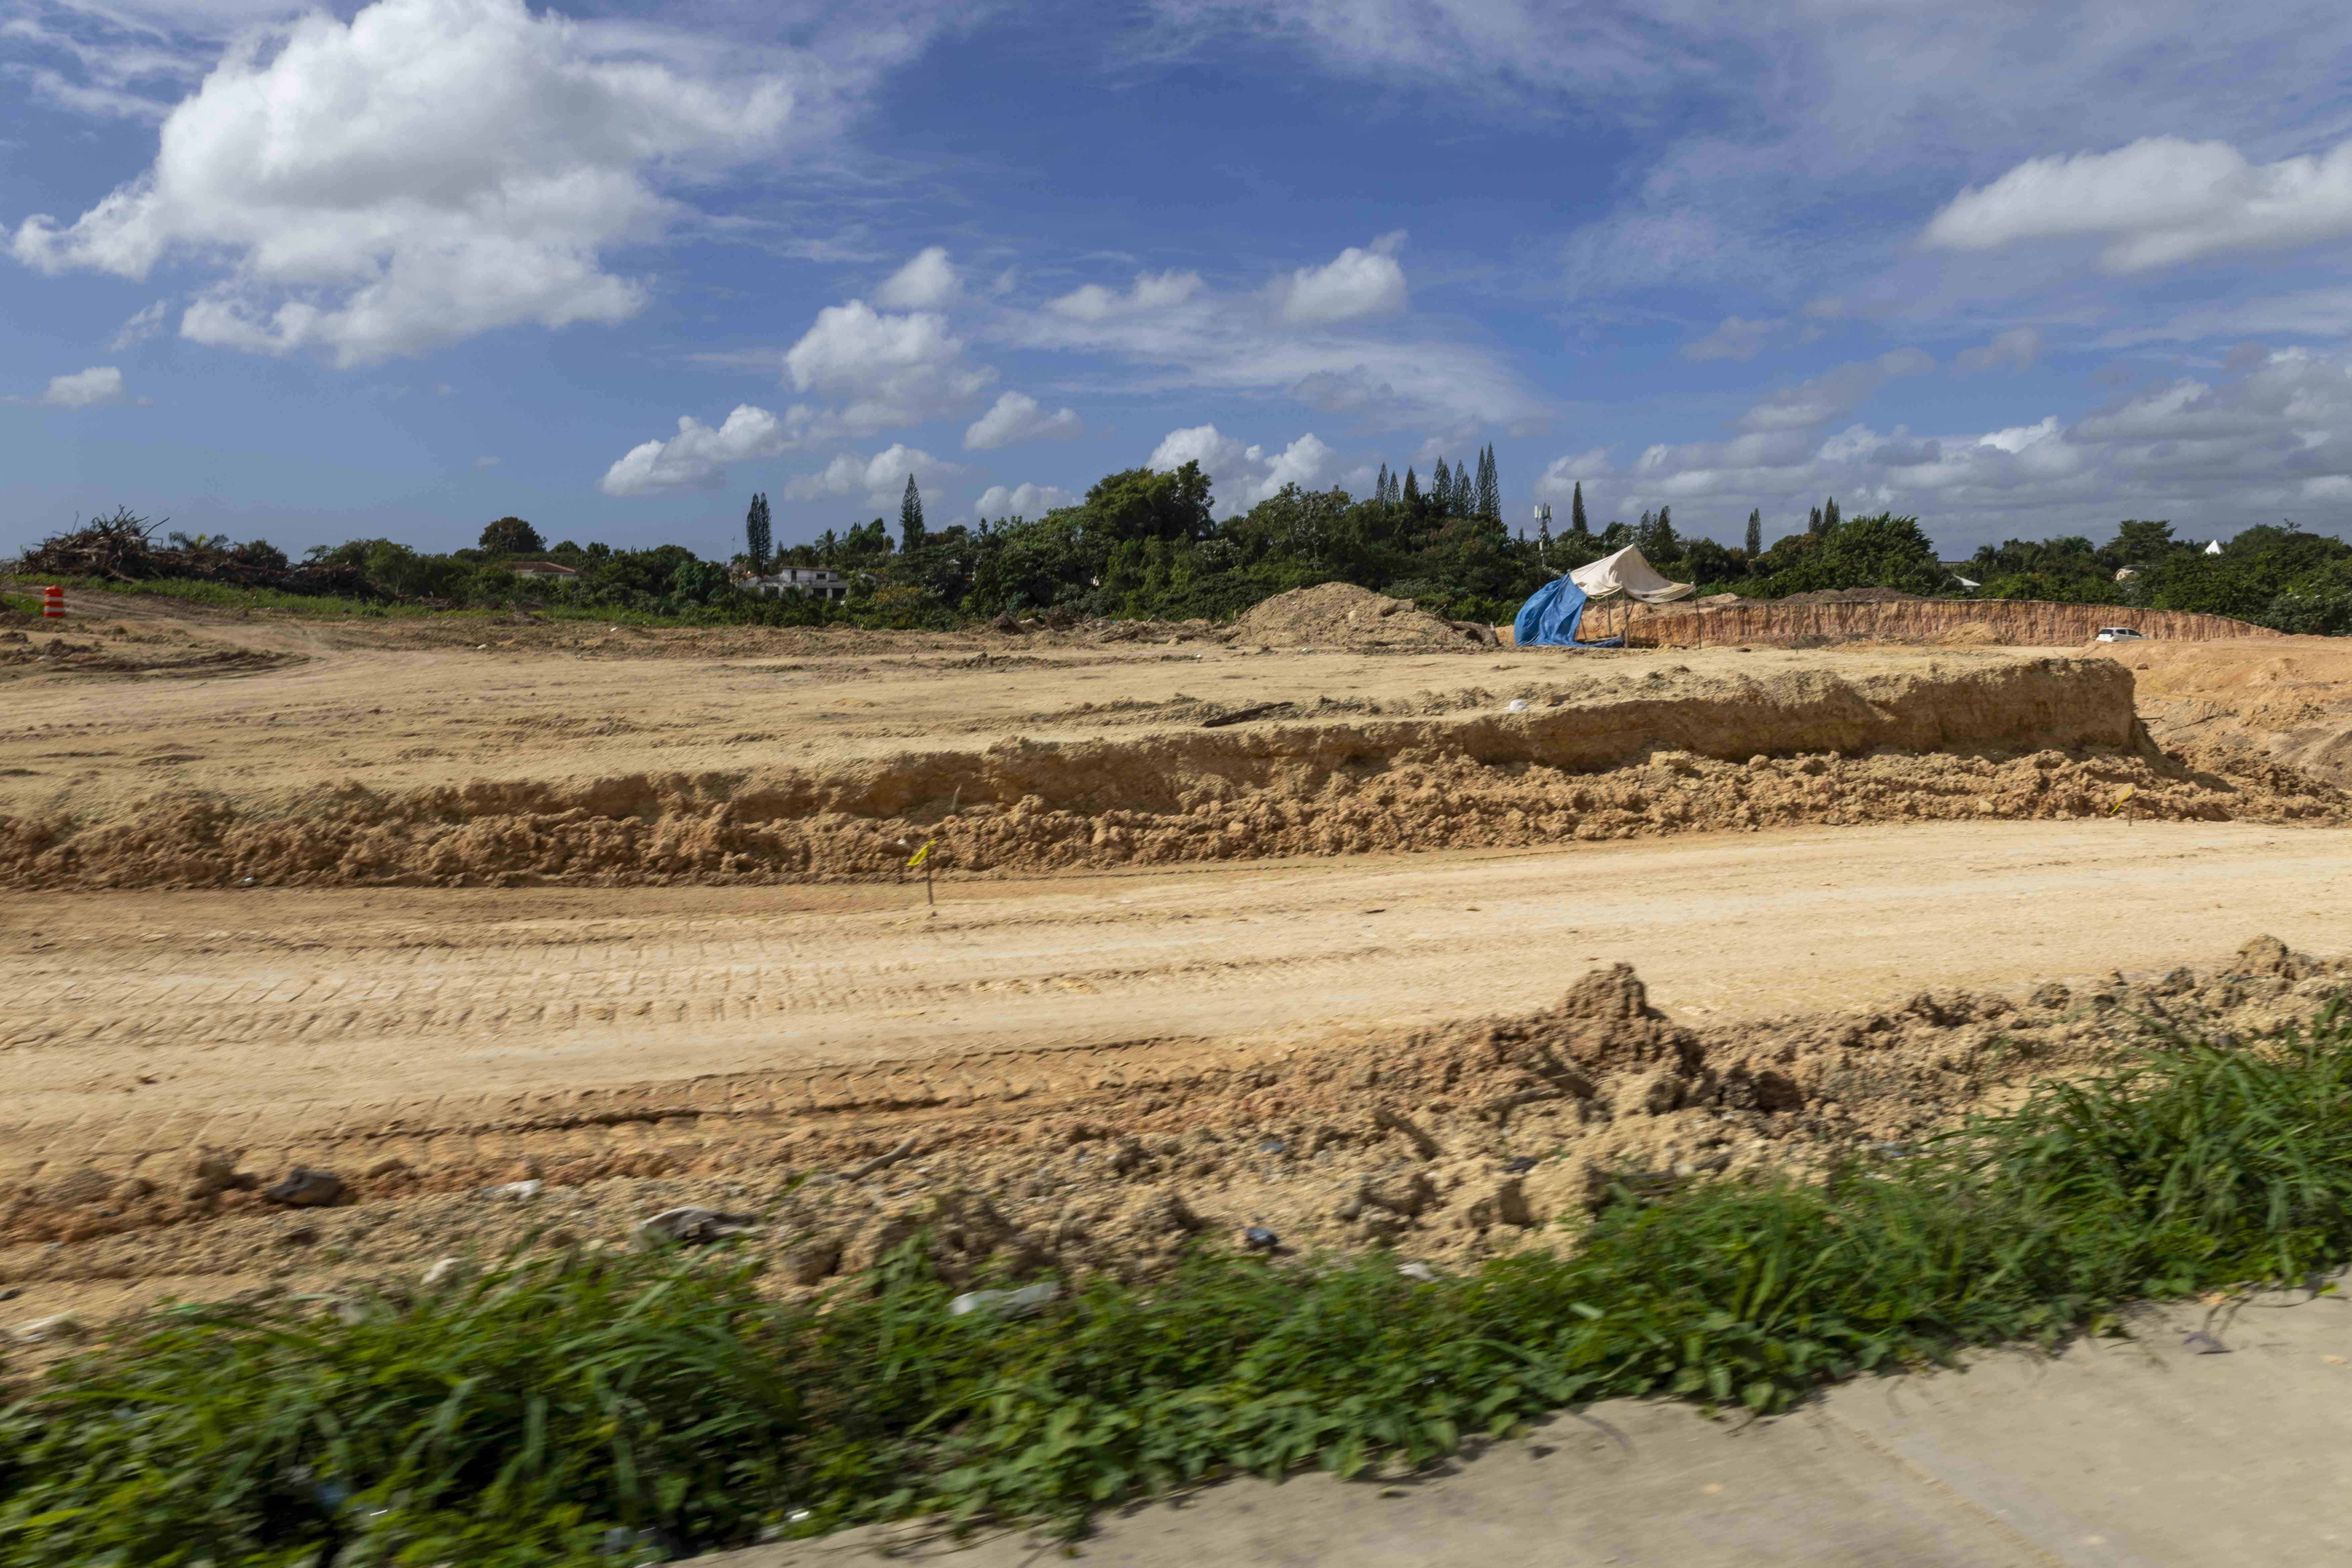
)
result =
(2019, 623)
(1450, 1144)
(2289, 699)
(2028, 738)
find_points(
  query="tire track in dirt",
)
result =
(320, 1025)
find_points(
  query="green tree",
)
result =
(1576, 523)
(2138, 542)
(910, 517)
(1411, 497)
(759, 534)
(1880, 551)
(1755, 532)
(511, 536)
(1143, 503)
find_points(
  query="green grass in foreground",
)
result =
(519, 1420)
(229, 596)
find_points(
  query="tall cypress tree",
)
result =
(1829, 514)
(1441, 490)
(1380, 484)
(1576, 523)
(1412, 488)
(1755, 532)
(1813, 523)
(910, 517)
(759, 536)
(1490, 485)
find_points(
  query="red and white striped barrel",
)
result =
(53, 603)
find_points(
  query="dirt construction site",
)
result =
(337, 949)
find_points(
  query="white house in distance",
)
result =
(544, 570)
(820, 582)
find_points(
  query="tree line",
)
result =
(1146, 543)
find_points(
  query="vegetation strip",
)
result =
(1149, 545)
(587, 1410)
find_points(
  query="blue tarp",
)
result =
(1549, 618)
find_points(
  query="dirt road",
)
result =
(294, 1022)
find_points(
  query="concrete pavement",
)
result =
(2118, 1454)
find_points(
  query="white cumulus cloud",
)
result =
(880, 479)
(1022, 500)
(2272, 438)
(1355, 285)
(927, 282)
(891, 368)
(1150, 292)
(695, 458)
(1561, 476)
(1242, 475)
(2157, 202)
(85, 388)
(1016, 417)
(429, 170)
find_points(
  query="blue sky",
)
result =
(2018, 268)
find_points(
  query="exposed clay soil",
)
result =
(1088, 1093)
(2289, 699)
(1450, 1145)
(382, 767)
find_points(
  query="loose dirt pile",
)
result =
(1450, 1145)
(1342, 616)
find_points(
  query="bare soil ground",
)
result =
(1361, 904)
(2288, 698)
(368, 753)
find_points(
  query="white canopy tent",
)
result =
(1627, 574)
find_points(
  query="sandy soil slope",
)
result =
(2290, 697)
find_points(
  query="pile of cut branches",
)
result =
(122, 549)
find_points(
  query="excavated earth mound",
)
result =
(2019, 739)
(1340, 614)
(1450, 1144)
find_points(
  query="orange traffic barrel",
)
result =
(53, 603)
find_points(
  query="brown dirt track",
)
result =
(1928, 820)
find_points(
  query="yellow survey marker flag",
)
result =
(917, 858)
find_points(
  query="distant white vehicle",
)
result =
(2120, 634)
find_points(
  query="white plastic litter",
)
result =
(1011, 1303)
